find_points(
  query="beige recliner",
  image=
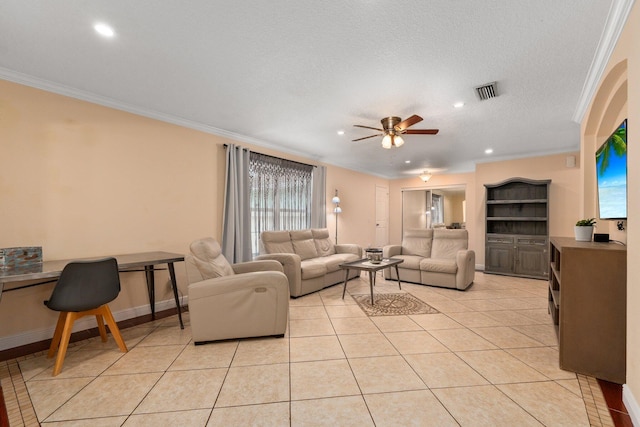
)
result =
(227, 301)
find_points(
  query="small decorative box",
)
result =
(11, 258)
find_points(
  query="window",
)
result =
(280, 195)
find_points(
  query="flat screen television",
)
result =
(611, 175)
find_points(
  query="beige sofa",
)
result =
(433, 257)
(247, 299)
(310, 259)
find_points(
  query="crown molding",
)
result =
(618, 14)
(60, 89)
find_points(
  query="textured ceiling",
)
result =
(289, 74)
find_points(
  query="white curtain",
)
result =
(236, 221)
(280, 195)
(319, 198)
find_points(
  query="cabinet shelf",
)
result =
(516, 218)
(515, 201)
(555, 297)
(517, 227)
(554, 271)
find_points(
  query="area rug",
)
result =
(393, 305)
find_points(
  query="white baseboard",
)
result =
(631, 404)
(43, 334)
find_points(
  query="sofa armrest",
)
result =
(239, 306)
(221, 285)
(466, 261)
(262, 265)
(390, 251)
(349, 248)
(292, 269)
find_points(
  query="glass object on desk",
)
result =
(374, 255)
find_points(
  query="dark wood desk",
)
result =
(144, 261)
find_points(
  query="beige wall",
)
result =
(563, 203)
(564, 194)
(437, 181)
(453, 210)
(357, 222)
(84, 180)
(617, 98)
(414, 207)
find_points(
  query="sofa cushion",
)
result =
(303, 244)
(209, 260)
(411, 262)
(277, 242)
(439, 265)
(332, 262)
(305, 248)
(324, 245)
(417, 241)
(312, 268)
(447, 243)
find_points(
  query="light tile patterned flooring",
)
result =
(489, 358)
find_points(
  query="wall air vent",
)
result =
(487, 91)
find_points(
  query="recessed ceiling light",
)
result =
(488, 151)
(340, 132)
(458, 105)
(104, 30)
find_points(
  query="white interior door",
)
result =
(382, 216)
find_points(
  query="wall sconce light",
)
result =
(426, 176)
(336, 210)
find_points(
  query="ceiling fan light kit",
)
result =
(391, 140)
(393, 127)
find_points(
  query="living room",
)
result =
(82, 179)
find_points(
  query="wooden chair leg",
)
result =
(113, 327)
(55, 341)
(64, 341)
(62, 334)
(101, 328)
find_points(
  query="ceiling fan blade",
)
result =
(407, 122)
(369, 127)
(421, 131)
(366, 137)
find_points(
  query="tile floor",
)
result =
(489, 358)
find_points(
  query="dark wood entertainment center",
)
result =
(517, 228)
(588, 304)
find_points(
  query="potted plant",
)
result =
(584, 229)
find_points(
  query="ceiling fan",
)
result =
(393, 127)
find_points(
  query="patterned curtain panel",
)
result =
(280, 195)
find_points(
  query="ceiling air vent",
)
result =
(487, 91)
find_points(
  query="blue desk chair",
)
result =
(84, 289)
